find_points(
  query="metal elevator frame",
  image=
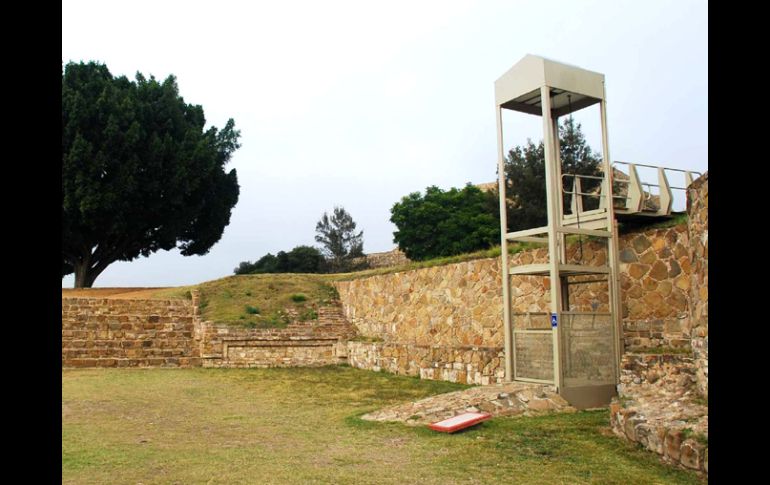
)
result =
(550, 89)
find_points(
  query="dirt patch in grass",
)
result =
(233, 426)
(123, 293)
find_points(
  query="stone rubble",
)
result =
(498, 400)
(659, 407)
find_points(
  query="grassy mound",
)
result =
(259, 301)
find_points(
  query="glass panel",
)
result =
(531, 321)
(587, 345)
(534, 355)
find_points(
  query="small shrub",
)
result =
(248, 293)
(688, 433)
(298, 297)
(330, 293)
(309, 314)
(278, 319)
(252, 310)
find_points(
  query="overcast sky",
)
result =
(360, 103)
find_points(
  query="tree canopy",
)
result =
(301, 259)
(341, 244)
(463, 220)
(525, 176)
(446, 223)
(139, 172)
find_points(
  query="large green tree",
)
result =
(340, 243)
(525, 176)
(139, 171)
(446, 223)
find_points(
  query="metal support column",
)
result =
(506, 278)
(553, 192)
(613, 260)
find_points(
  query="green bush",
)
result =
(446, 223)
(298, 297)
(301, 259)
(252, 310)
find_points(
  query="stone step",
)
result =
(150, 341)
(640, 368)
(133, 362)
(675, 434)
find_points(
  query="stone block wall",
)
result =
(464, 364)
(658, 408)
(386, 259)
(445, 305)
(698, 227)
(300, 344)
(459, 306)
(673, 444)
(655, 284)
(101, 332)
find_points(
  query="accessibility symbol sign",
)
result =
(554, 320)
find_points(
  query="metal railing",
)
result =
(638, 198)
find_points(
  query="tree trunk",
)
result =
(88, 266)
(81, 275)
(84, 274)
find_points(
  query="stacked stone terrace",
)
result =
(102, 332)
(300, 344)
(107, 332)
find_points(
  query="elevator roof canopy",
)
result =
(519, 88)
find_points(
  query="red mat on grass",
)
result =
(461, 421)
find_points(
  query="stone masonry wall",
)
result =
(655, 283)
(467, 364)
(101, 332)
(698, 227)
(456, 309)
(385, 259)
(300, 344)
(658, 408)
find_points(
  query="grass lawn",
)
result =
(252, 426)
